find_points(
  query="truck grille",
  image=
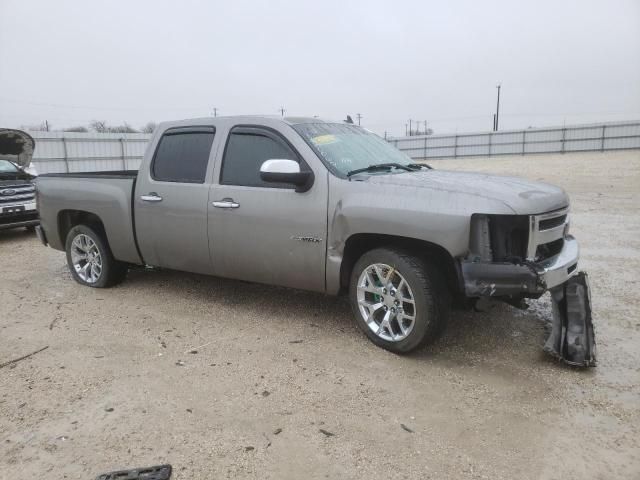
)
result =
(546, 234)
(21, 193)
(553, 222)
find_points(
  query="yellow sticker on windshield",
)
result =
(324, 139)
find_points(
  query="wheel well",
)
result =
(358, 244)
(67, 219)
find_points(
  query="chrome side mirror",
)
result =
(286, 171)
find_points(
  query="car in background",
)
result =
(17, 191)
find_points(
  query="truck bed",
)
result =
(106, 195)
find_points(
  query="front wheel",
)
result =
(90, 259)
(400, 301)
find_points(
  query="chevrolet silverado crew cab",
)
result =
(320, 206)
(17, 192)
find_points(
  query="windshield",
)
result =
(348, 147)
(7, 167)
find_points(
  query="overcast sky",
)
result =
(70, 62)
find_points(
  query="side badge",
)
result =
(307, 239)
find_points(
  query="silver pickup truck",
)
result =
(327, 207)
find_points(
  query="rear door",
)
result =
(266, 232)
(170, 202)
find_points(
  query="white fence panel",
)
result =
(58, 152)
(605, 136)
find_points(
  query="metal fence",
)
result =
(578, 138)
(61, 152)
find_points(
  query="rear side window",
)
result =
(247, 149)
(182, 155)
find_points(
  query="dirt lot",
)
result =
(118, 388)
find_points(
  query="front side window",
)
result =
(247, 149)
(182, 155)
(348, 147)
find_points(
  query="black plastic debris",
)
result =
(160, 472)
(572, 338)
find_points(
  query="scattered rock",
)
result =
(327, 433)
(266, 393)
(405, 428)
(193, 352)
(248, 448)
(277, 431)
(296, 341)
(108, 409)
(180, 363)
(189, 410)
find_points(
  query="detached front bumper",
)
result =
(491, 279)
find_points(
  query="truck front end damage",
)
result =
(514, 257)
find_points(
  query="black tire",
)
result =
(30, 229)
(431, 296)
(113, 271)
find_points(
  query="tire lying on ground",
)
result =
(90, 260)
(401, 301)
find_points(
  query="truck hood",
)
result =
(520, 195)
(16, 146)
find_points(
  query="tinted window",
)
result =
(183, 156)
(244, 155)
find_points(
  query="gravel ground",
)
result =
(121, 384)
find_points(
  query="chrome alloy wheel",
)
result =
(86, 258)
(386, 302)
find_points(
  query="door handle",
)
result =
(225, 203)
(151, 197)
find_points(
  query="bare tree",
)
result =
(124, 128)
(149, 127)
(99, 126)
(79, 128)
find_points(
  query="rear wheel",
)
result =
(400, 301)
(90, 259)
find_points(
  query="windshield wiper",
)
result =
(420, 166)
(380, 166)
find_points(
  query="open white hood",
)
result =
(16, 146)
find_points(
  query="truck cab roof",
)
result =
(246, 119)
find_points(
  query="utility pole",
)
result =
(215, 112)
(405, 130)
(410, 128)
(497, 108)
(282, 110)
(46, 125)
(425, 128)
(359, 117)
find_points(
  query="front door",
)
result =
(171, 199)
(265, 232)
